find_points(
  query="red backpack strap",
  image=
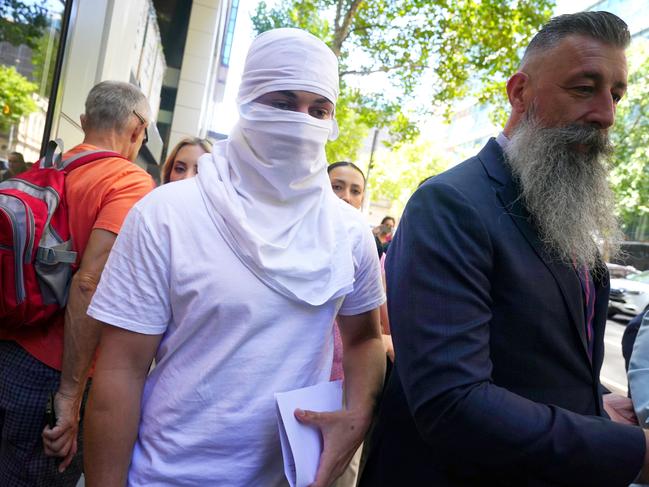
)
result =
(52, 159)
(81, 158)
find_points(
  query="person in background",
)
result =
(383, 233)
(56, 357)
(16, 165)
(628, 338)
(390, 223)
(182, 161)
(638, 373)
(234, 292)
(498, 295)
(348, 183)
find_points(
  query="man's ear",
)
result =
(517, 88)
(135, 133)
(82, 119)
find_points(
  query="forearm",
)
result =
(485, 428)
(111, 426)
(385, 319)
(81, 336)
(364, 367)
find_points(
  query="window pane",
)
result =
(30, 32)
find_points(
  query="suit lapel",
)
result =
(602, 286)
(564, 275)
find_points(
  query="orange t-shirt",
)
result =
(99, 195)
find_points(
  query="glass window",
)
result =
(30, 34)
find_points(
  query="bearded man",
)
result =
(232, 280)
(497, 293)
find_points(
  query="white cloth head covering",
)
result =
(266, 187)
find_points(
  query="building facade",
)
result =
(171, 49)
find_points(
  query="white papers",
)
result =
(302, 444)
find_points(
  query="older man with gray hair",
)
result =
(38, 360)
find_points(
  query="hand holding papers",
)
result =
(302, 444)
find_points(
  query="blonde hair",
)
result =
(169, 163)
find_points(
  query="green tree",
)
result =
(397, 173)
(22, 22)
(15, 96)
(630, 134)
(457, 48)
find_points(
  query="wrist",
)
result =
(69, 390)
(361, 415)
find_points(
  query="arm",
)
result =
(639, 373)
(363, 361)
(439, 273)
(364, 366)
(628, 339)
(113, 413)
(81, 334)
(385, 319)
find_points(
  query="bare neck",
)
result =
(109, 141)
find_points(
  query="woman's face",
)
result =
(186, 163)
(348, 184)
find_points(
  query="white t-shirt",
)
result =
(230, 342)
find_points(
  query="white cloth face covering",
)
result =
(289, 59)
(266, 187)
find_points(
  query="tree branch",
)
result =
(339, 8)
(382, 69)
(342, 32)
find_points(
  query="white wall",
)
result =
(194, 86)
(101, 46)
(80, 67)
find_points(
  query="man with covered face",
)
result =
(497, 293)
(232, 280)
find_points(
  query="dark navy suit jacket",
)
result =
(493, 382)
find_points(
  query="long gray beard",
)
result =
(566, 190)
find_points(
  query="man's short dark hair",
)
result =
(386, 218)
(602, 26)
(333, 166)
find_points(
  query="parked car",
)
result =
(617, 271)
(629, 296)
(635, 254)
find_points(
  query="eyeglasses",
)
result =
(146, 130)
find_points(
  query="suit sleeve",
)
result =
(439, 269)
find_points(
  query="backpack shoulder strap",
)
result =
(84, 157)
(51, 159)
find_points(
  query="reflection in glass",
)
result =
(30, 33)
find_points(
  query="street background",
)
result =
(613, 375)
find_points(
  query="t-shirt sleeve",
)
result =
(124, 192)
(133, 292)
(368, 287)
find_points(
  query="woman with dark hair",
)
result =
(348, 182)
(385, 231)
